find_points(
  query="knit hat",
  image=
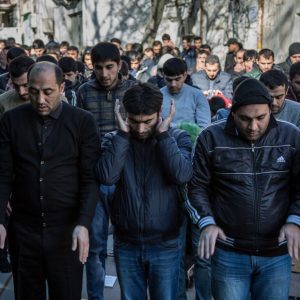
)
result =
(250, 91)
(163, 59)
(294, 49)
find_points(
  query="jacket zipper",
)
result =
(256, 200)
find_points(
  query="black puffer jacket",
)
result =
(249, 190)
(146, 207)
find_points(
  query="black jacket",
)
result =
(54, 183)
(146, 207)
(249, 190)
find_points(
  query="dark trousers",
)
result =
(41, 254)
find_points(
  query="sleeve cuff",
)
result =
(293, 219)
(204, 222)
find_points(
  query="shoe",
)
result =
(5, 266)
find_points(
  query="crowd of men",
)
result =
(107, 133)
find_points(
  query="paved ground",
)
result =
(6, 285)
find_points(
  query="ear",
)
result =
(185, 75)
(119, 66)
(62, 88)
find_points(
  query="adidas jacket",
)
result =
(248, 190)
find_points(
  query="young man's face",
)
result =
(72, 76)
(278, 95)
(39, 52)
(197, 44)
(295, 58)
(107, 73)
(63, 50)
(156, 49)
(21, 86)
(249, 64)
(212, 70)
(239, 57)
(186, 44)
(175, 83)
(233, 48)
(142, 126)
(201, 58)
(252, 120)
(265, 64)
(295, 82)
(135, 63)
(73, 53)
(88, 61)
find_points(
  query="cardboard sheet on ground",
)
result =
(110, 280)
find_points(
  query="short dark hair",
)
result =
(43, 66)
(20, 65)
(187, 38)
(207, 47)
(15, 52)
(249, 54)
(165, 37)
(197, 38)
(294, 70)
(47, 57)
(64, 44)
(143, 98)
(274, 78)
(266, 53)
(216, 103)
(105, 51)
(38, 44)
(73, 48)
(137, 47)
(67, 64)
(116, 40)
(156, 43)
(213, 59)
(133, 55)
(174, 67)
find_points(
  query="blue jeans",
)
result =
(143, 266)
(95, 265)
(202, 270)
(235, 275)
(181, 295)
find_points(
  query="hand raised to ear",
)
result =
(123, 125)
(163, 125)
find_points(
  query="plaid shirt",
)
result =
(101, 102)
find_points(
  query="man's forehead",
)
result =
(140, 117)
(252, 110)
(105, 63)
(212, 66)
(174, 77)
(263, 58)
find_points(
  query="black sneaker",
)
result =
(5, 266)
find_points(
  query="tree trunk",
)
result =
(157, 9)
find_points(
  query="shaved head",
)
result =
(45, 67)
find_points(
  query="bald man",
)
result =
(47, 154)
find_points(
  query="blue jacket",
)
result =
(146, 207)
